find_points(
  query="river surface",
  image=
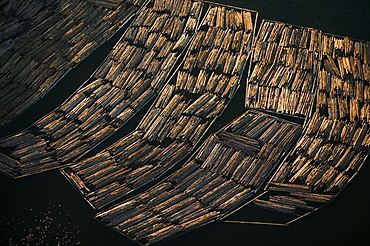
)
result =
(45, 209)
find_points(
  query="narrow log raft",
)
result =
(62, 36)
(180, 115)
(342, 85)
(212, 184)
(285, 67)
(335, 143)
(119, 88)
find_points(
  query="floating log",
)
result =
(312, 197)
(289, 187)
(194, 195)
(277, 207)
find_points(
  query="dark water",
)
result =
(45, 210)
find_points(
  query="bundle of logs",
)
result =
(222, 175)
(178, 118)
(37, 60)
(132, 74)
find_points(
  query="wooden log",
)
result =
(155, 191)
(210, 186)
(315, 174)
(163, 233)
(6, 160)
(130, 148)
(134, 220)
(186, 182)
(200, 220)
(226, 196)
(288, 200)
(235, 201)
(121, 208)
(144, 233)
(288, 187)
(154, 129)
(93, 168)
(281, 208)
(128, 211)
(18, 152)
(220, 163)
(178, 206)
(99, 202)
(213, 155)
(313, 197)
(199, 182)
(245, 144)
(326, 178)
(192, 208)
(143, 225)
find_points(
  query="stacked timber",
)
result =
(344, 78)
(43, 55)
(128, 78)
(327, 156)
(285, 67)
(19, 17)
(336, 140)
(213, 183)
(249, 149)
(180, 116)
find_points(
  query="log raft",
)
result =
(212, 184)
(184, 110)
(116, 91)
(20, 17)
(344, 80)
(62, 36)
(285, 65)
(335, 142)
(327, 156)
(292, 68)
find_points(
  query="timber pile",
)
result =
(224, 173)
(180, 115)
(344, 89)
(325, 159)
(285, 67)
(131, 75)
(337, 138)
(41, 57)
(249, 149)
(292, 68)
(17, 17)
